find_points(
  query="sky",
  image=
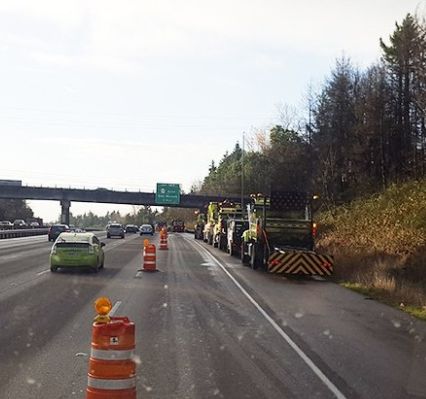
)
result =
(127, 94)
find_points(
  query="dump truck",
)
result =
(211, 220)
(280, 236)
(227, 210)
(178, 226)
(199, 226)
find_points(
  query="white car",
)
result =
(146, 229)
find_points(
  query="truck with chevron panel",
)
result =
(281, 234)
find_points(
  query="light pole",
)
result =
(242, 178)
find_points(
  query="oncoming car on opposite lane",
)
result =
(75, 250)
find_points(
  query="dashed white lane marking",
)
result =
(42, 272)
(114, 308)
(317, 371)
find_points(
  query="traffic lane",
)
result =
(20, 261)
(377, 350)
(199, 337)
(47, 330)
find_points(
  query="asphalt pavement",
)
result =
(206, 327)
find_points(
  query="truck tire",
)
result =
(244, 258)
(230, 249)
(256, 260)
(222, 243)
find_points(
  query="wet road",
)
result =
(206, 327)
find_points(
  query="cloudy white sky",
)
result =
(124, 94)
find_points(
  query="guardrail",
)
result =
(22, 232)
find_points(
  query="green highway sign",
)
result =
(167, 194)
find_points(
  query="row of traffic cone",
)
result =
(149, 252)
(112, 366)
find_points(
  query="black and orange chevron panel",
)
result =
(298, 262)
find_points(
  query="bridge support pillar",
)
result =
(65, 211)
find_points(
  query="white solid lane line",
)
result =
(337, 393)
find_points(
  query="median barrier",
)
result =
(13, 233)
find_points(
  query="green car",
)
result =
(76, 250)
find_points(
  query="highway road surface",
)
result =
(206, 327)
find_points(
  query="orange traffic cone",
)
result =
(163, 241)
(149, 258)
(112, 370)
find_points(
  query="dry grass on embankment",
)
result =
(379, 245)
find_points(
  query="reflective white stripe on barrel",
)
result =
(98, 383)
(109, 354)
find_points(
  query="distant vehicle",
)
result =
(115, 229)
(74, 250)
(160, 225)
(55, 230)
(6, 225)
(19, 224)
(146, 229)
(132, 228)
(17, 183)
(74, 229)
(34, 225)
(199, 226)
(178, 226)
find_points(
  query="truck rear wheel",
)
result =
(244, 258)
(231, 249)
(256, 260)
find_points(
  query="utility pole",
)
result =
(242, 178)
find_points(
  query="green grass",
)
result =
(416, 311)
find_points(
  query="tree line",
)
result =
(139, 216)
(364, 130)
(11, 209)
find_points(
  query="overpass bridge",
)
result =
(66, 195)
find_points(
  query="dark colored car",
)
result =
(115, 229)
(132, 228)
(55, 230)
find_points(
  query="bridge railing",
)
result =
(23, 232)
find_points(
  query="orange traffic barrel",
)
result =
(163, 241)
(112, 370)
(149, 258)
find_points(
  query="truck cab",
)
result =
(227, 210)
(212, 215)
